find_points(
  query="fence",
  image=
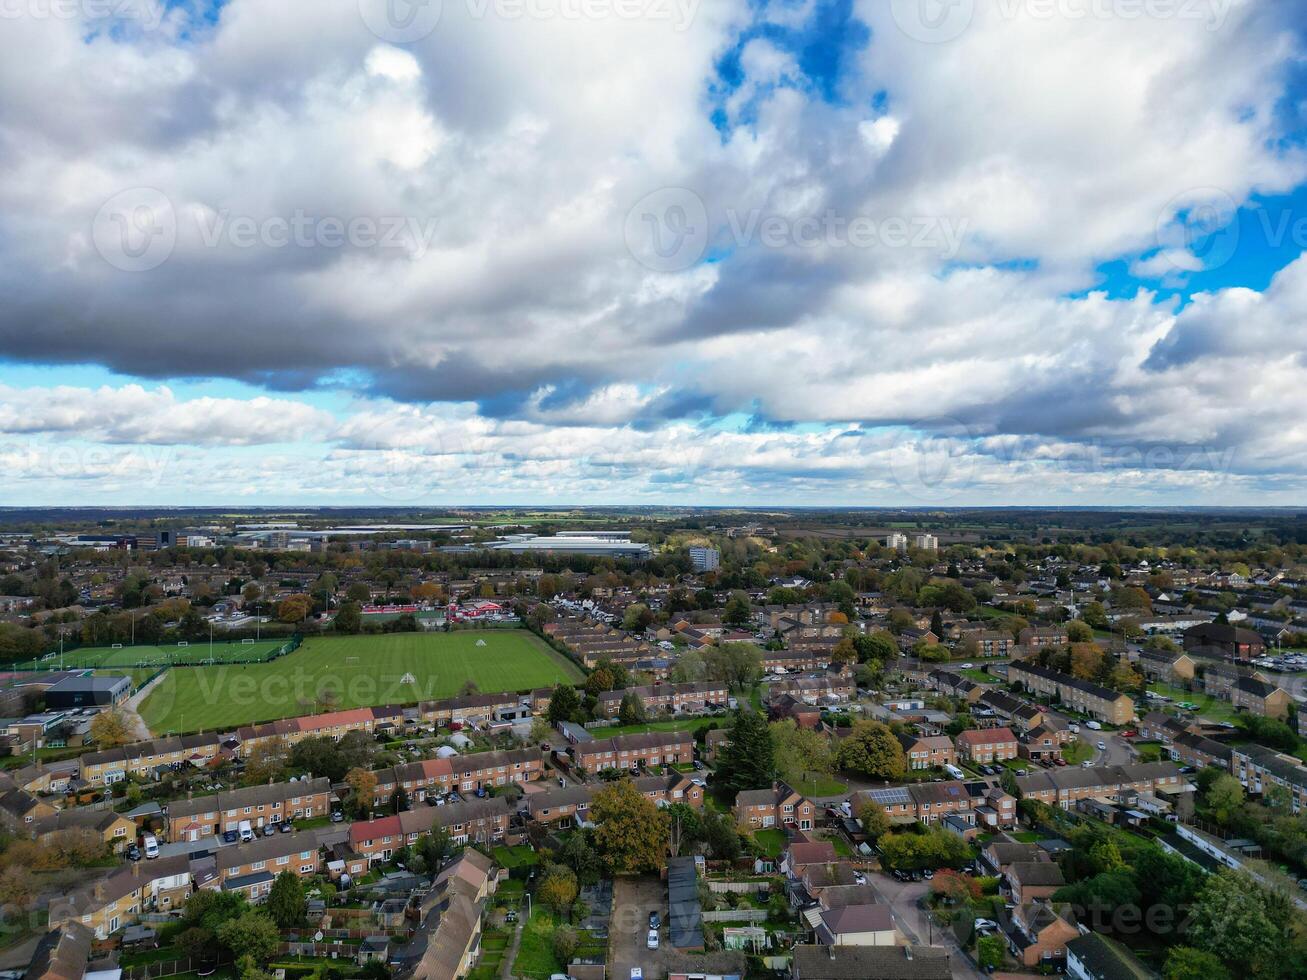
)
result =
(163, 968)
(738, 887)
(736, 915)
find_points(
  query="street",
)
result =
(912, 921)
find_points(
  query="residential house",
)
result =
(986, 745)
(870, 963)
(1261, 698)
(857, 925)
(780, 806)
(1037, 933)
(927, 751)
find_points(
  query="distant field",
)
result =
(362, 671)
(148, 655)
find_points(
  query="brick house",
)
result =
(1261, 698)
(196, 818)
(927, 751)
(780, 806)
(633, 751)
(986, 745)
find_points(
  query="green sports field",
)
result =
(396, 668)
(147, 655)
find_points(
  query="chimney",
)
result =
(98, 891)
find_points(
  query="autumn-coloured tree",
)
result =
(294, 608)
(109, 728)
(558, 888)
(363, 784)
(631, 834)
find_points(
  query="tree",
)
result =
(738, 610)
(363, 783)
(558, 888)
(579, 854)
(349, 618)
(109, 729)
(874, 820)
(872, 750)
(631, 711)
(1225, 798)
(689, 668)
(252, 934)
(196, 942)
(989, 952)
(294, 608)
(800, 751)
(738, 665)
(748, 759)
(636, 618)
(565, 943)
(541, 730)
(1233, 918)
(565, 705)
(630, 832)
(286, 902)
(1078, 631)
(879, 646)
(1187, 963)
(434, 847)
(266, 761)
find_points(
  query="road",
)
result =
(909, 919)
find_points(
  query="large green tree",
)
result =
(286, 901)
(872, 750)
(748, 759)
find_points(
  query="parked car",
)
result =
(655, 920)
(652, 942)
(150, 845)
(133, 852)
(337, 816)
(285, 826)
(230, 837)
(1102, 746)
(859, 878)
(637, 973)
(270, 830)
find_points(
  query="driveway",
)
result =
(902, 898)
(628, 929)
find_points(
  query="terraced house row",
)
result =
(633, 751)
(1092, 699)
(198, 817)
(971, 803)
(470, 821)
(566, 806)
(465, 773)
(670, 699)
(1064, 787)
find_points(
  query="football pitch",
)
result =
(148, 655)
(362, 671)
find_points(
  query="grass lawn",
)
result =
(149, 655)
(514, 857)
(362, 671)
(819, 786)
(1077, 751)
(535, 957)
(1027, 837)
(1210, 708)
(686, 725)
(979, 676)
(770, 842)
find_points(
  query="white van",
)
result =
(246, 831)
(151, 846)
(955, 772)
(1093, 726)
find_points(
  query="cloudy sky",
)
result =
(688, 251)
